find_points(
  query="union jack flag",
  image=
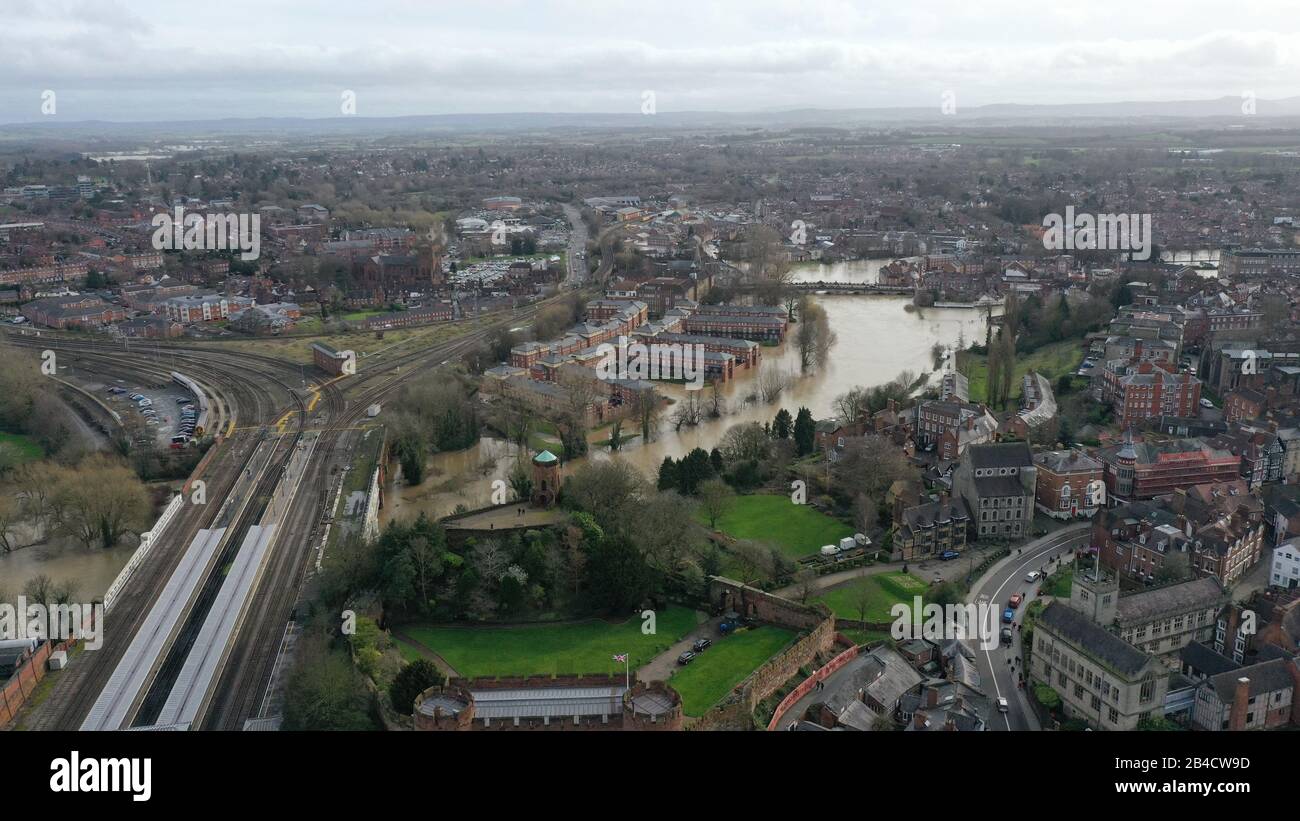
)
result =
(621, 657)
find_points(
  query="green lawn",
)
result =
(1051, 361)
(798, 530)
(540, 649)
(713, 673)
(25, 449)
(885, 589)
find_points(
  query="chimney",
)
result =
(1240, 702)
(918, 720)
(950, 725)
(932, 697)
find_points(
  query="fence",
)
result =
(147, 541)
(15, 692)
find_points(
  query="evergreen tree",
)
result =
(805, 432)
(715, 459)
(667, 474)
(782, 425)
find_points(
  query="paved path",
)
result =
(508, 517)
(927, 569)
(443, 667)
(662, 666)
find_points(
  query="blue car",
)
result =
(1008, 616)
(948, 555)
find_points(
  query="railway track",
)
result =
(255, 389)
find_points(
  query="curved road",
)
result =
(998, 677)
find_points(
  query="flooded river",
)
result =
(877, 339)
(92, 570)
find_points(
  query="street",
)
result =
(998, 677)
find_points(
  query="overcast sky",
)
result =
(163, 59)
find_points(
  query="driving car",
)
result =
(1002, 704)
(686, 658)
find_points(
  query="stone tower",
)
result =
(1095, 593)
(546, 479)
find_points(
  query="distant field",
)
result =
(1051, 361)
(884, 591)
(798, 530)
(395, 342)
(541, 649)
(728, 662)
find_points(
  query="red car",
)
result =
(1015, 601)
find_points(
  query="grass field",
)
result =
(540, 649)
(1051, 361)
(724, 665)
(24, 447)
(798, 530)
(885, 590)
(396, 342)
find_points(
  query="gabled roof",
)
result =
(1093, 641)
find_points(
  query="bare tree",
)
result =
(715, 498)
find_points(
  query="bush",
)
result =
(413, 679)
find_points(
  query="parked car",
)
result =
(1032, 576)
(726, 627)
(1015, 600)
(948, 555)
(700, 645)
(1006, 635)
(1205, 403)
(686, 658)
(1008, 616)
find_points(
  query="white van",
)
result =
(1032, 576)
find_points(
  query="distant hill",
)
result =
(1217, 110)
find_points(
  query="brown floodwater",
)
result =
(877, 339)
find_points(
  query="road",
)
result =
(577, 256)
(998, 676)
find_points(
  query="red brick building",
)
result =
(1065, 478)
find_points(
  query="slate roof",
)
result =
(1149, 605)
(1265, 677)
(1092, 640)
(1001, 455)
(1206, 659)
